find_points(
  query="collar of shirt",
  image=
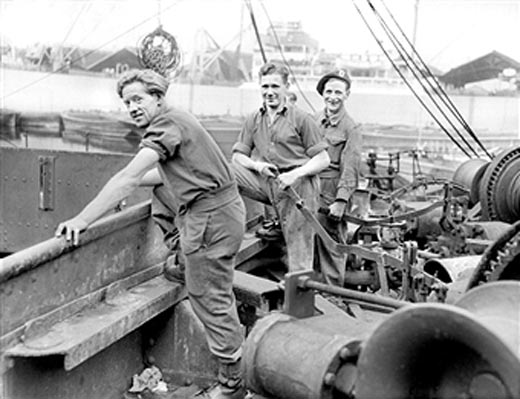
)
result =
(334, 119)
(281, 111)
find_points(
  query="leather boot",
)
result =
(230, 385)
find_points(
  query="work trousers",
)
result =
(298, 234)
(211, 231)
(331, 263)
(164, 209)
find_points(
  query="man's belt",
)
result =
(329, 174)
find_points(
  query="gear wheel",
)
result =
(500, 188)
(500, 261)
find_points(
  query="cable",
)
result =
(87, 53)
(405, 57)
(285, 61)
(8, 141)
(258, 38)
(94, 28)
(443, 95)
(406, 81)
(85, 5)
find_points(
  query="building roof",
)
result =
(486, 67)
(127, 55)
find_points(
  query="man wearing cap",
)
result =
(340, 178)
(279, 147)
(179, 153)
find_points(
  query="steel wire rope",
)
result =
(441, 92)
(96, 26)
(284, 60)
(257, 34)
(405, 80)
(401, 50)
(87, 53)
(81, 11)
(9, 141)
(407, 58)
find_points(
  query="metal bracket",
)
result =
(298, 300)
(46, 191)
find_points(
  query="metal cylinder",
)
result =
(311, 358)
(488, 230)
(456, 272)
(449, 270)
(353, 295)
(443, 351)
(356, 277)
(469, 174)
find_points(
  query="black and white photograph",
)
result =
(259, 199)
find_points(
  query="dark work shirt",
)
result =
(288, 142)
(344, 141)
(190, 161)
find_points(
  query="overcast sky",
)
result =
(449, 32)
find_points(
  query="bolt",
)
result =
(329, 379)
(345, 353)
(487, 385)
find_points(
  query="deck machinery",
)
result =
(429, 307)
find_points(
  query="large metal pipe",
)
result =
(289, 358)
(353, 295)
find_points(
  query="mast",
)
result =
(415, 20)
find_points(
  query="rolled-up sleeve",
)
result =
(311, 137)
(164, 138)
(244, 144)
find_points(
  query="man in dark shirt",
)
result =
(179, 153)
(280, 146)
(340, 179)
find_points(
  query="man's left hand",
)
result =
(288, 179)
(337, 209)
(71, 229)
